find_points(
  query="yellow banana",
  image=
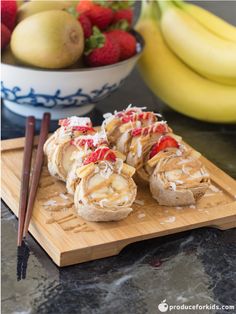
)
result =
(203, 51)
(175, 83)
(222, 80)
(210, 21)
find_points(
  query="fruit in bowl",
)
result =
(43, 69)
(57, 34)
(59, 42)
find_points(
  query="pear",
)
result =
(51, 39)
(29, 8)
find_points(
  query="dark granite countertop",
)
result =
(194, 267)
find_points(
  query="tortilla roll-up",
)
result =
(179, 178)
(84, 144)
(106, 191)
(142, 141)
(59, 148)
(118, 125)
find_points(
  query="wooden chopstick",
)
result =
(25, 176)
(37, 170)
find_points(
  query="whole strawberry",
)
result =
(8, 13)
(99, 12)
(101, 49)
(86, 25)
(123, 11)
(125, 14)
(126, 41)
(5, 36)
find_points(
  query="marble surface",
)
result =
(195, 267)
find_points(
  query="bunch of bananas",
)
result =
(190, 59)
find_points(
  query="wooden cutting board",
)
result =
(68, 239)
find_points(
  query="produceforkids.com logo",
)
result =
(163, 306)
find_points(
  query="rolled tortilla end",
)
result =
(104, 196)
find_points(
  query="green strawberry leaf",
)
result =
(96, 40)
(119, 5)
(121, 24)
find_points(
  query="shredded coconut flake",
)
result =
(50, 203)
(63, 196)
(102, 202)
(179, 181)
(214, 188)
(107, 171)
(139, 202)
(136, 108)
(178, 153)
(192, 206)
(119, 165)
(170, 219)
(183, 161)
(209, 194)
(173, 186)
(139, 149)
(141, 215)
(107, 115)
(78, 121)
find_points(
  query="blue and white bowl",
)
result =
(29, 91)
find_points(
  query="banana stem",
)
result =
(164, 5)
(150, 9)
(179, 3)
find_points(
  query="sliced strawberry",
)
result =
(100, 154)
(164, 142)
(161, 128)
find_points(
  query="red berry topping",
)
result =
(164, 142)
(160, 128)
(81, 142)
(99, 12)
(70, 122)
(86, 25)
(83, 129)
(133, 115)
(100, 154)
(126, 41)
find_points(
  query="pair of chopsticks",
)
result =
(28, 191)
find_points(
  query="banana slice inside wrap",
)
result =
(106, 191)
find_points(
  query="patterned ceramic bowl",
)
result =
(28, 91)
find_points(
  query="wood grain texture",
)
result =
(68, 239)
